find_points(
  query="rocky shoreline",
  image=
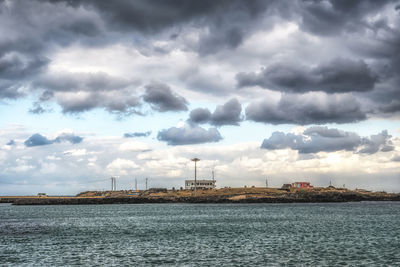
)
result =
(299, 196)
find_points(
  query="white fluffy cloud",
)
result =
(134, 146)
(238, 164)
(121, 166)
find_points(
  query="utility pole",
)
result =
(146, 182)
(135, 184)
(113, 184)
(266, 182)
(213, 176)
(195, 175)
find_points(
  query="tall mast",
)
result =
(195, 175)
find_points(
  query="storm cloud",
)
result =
(338, 76)
(306, 109)
(24, 53)
(40, 140)
(322, 139)
(335, 16)
(163, 99)
(189, 135)
(226, 114)
(218, 19)
(14, 68)
(80, 91)
(362, 38)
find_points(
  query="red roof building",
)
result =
(301, 185)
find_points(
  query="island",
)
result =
(222, 195)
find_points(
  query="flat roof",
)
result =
(200, 180)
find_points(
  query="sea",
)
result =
(334, 234)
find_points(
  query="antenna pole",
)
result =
(195, 175)
(113, 184)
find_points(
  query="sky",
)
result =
(279, 90)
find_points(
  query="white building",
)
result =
(201, 184)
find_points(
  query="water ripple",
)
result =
(348, 234)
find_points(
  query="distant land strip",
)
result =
(224, 195)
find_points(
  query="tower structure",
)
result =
(195, 175)
(113, 184)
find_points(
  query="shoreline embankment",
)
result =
(230, 195)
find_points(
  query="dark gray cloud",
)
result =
(36, 29)
(10, 90)
(40, 140)
(322, 139)
(137, 134)
(80, 81)
(306, 109)
(367, 30)
(337, 16)
(14, 68)
(146, 16)
(226, 114)
(225, 23)
(392, 106)
(229, 38)
(189, 135)
(199, 115)
(338, 76)
(79, 92)
(163, 99)
(378, 40)
(122, 103)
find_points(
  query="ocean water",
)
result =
(354, 234)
